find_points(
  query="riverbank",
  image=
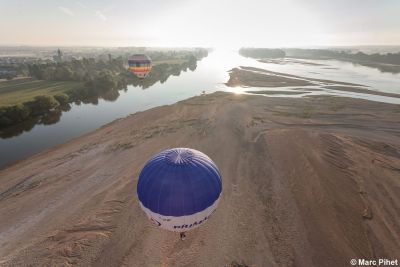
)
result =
(391, 68)
(256, 77)
(307, 182)
(56, 86)
(386, 62)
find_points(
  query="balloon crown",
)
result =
(179, 156)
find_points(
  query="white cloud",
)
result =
(97, 13)
(82, 5)
(66, 11)
(100, 15)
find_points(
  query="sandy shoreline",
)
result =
(307, 182)
(256, 77)
(250, 76)
(383, 67)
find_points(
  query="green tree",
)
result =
(63, 99)
(42, 104)
(13, 114)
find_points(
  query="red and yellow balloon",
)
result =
(140, 65)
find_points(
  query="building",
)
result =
(58, 57)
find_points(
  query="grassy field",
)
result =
(22, 90)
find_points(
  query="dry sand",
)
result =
(383, 67)
(286, 60)
(306, 182)
(256, 77)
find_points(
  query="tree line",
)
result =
(388, 58)
(262, 52)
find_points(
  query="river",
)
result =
(210, 75)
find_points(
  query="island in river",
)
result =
(386, 62)
(310, 181)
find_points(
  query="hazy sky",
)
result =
(262, 23)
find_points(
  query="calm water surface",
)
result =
(210, 76)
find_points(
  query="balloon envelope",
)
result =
(179, 189)
(140, 65)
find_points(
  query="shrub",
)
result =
(13, 114)
(4, 119)
(42, 104)
(63, 99)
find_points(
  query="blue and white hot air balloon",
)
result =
(179, 189)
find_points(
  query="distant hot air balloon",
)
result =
(179, 189)
(140, 65)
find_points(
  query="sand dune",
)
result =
(307, 182)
